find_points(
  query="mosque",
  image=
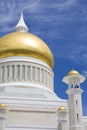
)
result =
(27, 97)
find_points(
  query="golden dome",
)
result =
(73, 72)
(61, 108)
(2, 105)
(25, 44)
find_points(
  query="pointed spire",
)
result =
(21, 26)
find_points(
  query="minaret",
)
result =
(62, 118)
(21, 26)
(2, 116)
(73, 79)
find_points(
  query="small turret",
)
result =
(62, 118)
(62, 114)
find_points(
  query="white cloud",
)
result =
(84, 73)
(10, 10)
(64, 4)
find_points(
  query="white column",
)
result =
(52, 87)
(45, 77)
(48, 80)
(42, 76)
(18, 72)
(36, 75)
(10, 73)
(21, 72)
(26, 72)
(33, 74)
(30, 73)
(15, 72)
(5, 73)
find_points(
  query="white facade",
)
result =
(28, 94)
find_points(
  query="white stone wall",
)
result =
(31, 118)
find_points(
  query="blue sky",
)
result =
(62, 24)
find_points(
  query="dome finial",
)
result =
(21, 26)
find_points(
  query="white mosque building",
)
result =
(27, 97)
